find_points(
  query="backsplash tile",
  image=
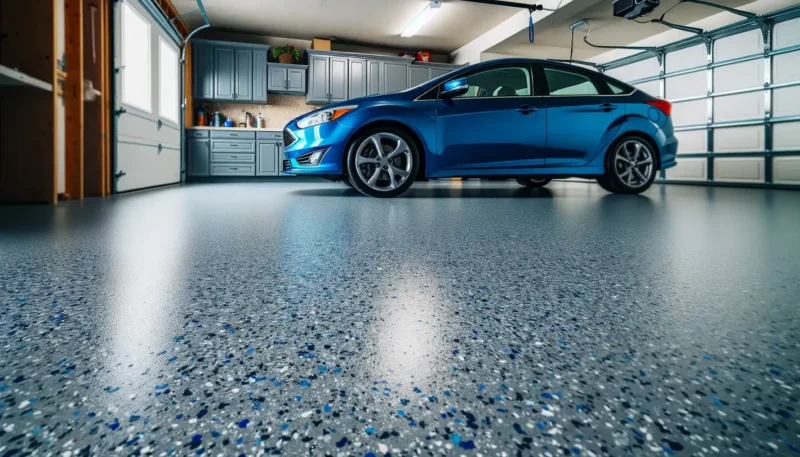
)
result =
(279, 110)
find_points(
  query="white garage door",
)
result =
(147, 101)
(735, 110)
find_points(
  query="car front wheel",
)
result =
(382, 162)
(630, 166)
(533, 182)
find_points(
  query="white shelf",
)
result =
(11, 77)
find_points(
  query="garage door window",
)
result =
(500, 82)
(168, 81)
(136, 90)
(563, 82)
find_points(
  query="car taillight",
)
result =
(663, 105)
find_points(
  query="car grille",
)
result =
(287, 164)
(304, 160)
(288, 138)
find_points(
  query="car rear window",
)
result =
(618, 88)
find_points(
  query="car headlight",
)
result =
(324, 116)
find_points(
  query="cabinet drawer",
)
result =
(233, 157)
(232, 169)
(191, 133)
(235, 135)
(269, 135)
(233, 146)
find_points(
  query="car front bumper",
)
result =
(330, 138)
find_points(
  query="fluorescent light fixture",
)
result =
(422, 18)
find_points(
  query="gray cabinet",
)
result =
(394, 76)
(244, 75)
(203, 71)
(267, 158)
(418, 75)
(436, 72)
(318, 80)
(338, 91)
(224, 69)
(229, 71)
(373, 77)
(260, 75)
(357, 78)
(198, 157)
(287, 78)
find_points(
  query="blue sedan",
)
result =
(531, 120)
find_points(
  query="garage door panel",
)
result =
(692, 141)
(786, 67)
(689, 170)
(739, 107)
(786, 170)
(645, 69)
(786, 33)
(739, 45)
(739, 139)
(689, 113)
(786, 101)
(736, 169)
(147, 166)
(688, 85)
(692, 57)
(786, 136)
(743, 75)
(650, 88)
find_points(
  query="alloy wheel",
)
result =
(633, 163)
(384, 162)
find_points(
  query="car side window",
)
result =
(513, 81)
(565, 82)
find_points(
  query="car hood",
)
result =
(370, 100)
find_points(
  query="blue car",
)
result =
(531, 120)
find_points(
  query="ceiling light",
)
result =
(422, 18)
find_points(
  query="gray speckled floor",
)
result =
(464, 319)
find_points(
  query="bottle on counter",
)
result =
(201, 117)
(260, 121)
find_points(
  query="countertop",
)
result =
(243, 129)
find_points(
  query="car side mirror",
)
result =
(454, 88)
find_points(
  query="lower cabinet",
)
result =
(198, 157)
(232, 169)
(268, 158)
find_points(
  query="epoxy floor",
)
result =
(462, 319)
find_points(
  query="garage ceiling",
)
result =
(552, 38)
(376, 22)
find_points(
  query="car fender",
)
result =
(627, 124)
(420, 120)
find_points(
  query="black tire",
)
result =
(623, 176)
(533, 182)
(381, 187)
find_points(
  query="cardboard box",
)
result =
(321, 44)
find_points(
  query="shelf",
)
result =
(11, 77)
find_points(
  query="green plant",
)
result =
(286, 49)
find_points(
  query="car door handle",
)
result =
(525, 109)
(608, 107)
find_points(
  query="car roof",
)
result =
(523, 60)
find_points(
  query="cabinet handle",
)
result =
(233, 134)
(234, 157)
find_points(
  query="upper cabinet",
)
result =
(229, 71)
(338, 76)
(287, 78)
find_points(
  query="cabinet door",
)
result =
(436, 72)
(317, 80)
(418, 75)
(267, 160)
(223, 72)
(277, 78)
(338, 80)
(395, 77)
(203, 70)
(260, 75)
(296, 78)
(244, 74)
(357, 78)
(197, 162)
(373, 77)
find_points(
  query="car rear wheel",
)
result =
(382, 162)
(533, 182)
(630, 166)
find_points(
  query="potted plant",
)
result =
(286, 54)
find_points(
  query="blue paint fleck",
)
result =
(249, 351)
(401, 413)
(134, 418)
(243, 424)
(369, 430)
(455, 438)
(327, 408)
(162, 386)
(197, 438)
(716, 401)
(322, 368)
(304, 383)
